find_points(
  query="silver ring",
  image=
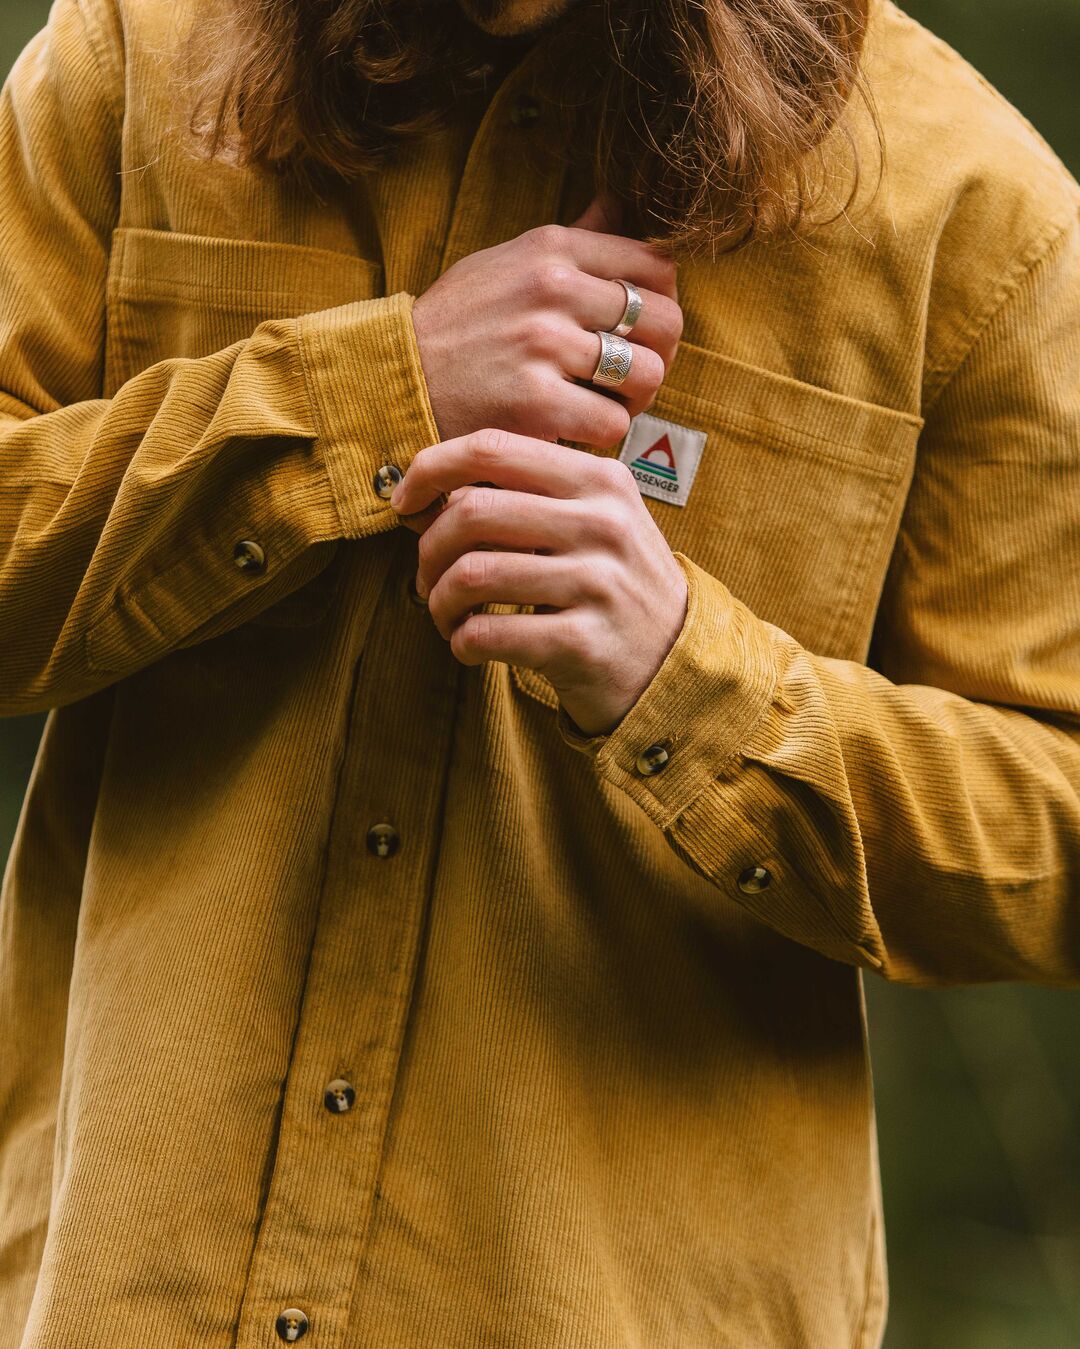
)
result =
(616, 358)
(632, 312)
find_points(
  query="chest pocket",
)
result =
(187, 296)
(796, 502)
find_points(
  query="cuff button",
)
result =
(249, 556)
(291, 1325)
(652, 760)
(385, 480)
(753, 880)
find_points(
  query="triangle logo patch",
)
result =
(663, 457)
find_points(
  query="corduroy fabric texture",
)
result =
(605, 1095)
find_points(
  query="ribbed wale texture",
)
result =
(604, 1030)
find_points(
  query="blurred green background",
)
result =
(978, 1089)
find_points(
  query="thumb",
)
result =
(603, 215)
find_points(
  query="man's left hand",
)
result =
(534, 523)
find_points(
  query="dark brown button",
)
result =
(339, 1096)
(754, 879)
(249, 556)
(652, 760)
(385, 480)
(526, 111)
(292, 1325)
(383, 840)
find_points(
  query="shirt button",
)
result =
(249, 556)
(383, 840)
(526, 111)
(291, 1325)
(652, 760)
(339, 1096)
(754, 879)
(385, 480)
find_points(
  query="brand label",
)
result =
(663, 457)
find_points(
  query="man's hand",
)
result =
(506, 333)
(568, 533)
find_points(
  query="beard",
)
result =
(508, 18)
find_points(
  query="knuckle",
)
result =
(472, 638)
(604, 528)
(549, 281)
(650, 369)
(546, 238)
(619, 478)
(604, 472)
(666, 266)
(574, 640)
(473, 571)
(547, 336)
(670, 321)
(490, 445)
(611, 424)
(476, 505)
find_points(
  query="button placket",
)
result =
(339, 1096)
(511, 148)
(383, 840)
(315, 1224)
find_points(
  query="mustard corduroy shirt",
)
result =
(344, 993)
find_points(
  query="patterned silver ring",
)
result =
(632, 312)
(616, 358)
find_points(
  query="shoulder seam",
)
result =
(101, 50)
(992, 92)
(1024, 265)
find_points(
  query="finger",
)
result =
(531, 640)
(585, 416)
(596, 303)
(498, 457)
(475, 579)
(610, 255)
(581, 354)
(484, 517)
(419, 521)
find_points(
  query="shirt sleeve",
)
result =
(119, 517)
(918, 815)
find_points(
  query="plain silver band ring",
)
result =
(632, 312)
(616, 358)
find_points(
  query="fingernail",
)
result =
(421, 589)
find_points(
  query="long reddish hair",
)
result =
(708, 111)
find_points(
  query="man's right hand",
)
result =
(507, 334)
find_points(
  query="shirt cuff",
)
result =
(369, 399)
(715, 685)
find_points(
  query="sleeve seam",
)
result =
(1024, 267)
(98, 48)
